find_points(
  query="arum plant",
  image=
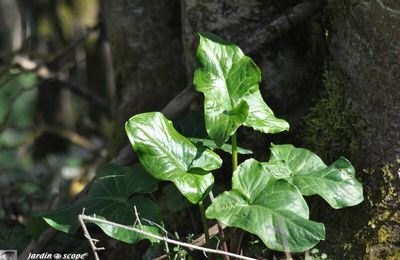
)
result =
(266, 198)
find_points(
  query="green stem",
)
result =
(234, 241)
(204, 222)
(234, 152)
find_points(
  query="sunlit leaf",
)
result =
(169, 156)
(270, 208)
(229, 81)
(224, 75)
(261, 117)
(336, 184)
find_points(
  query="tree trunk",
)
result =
(365, 48)
(147, 53)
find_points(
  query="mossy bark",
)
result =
(364, 46)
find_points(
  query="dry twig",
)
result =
(171, 241)
(92, 241)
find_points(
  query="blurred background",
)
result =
(73, 71)
(53, 101)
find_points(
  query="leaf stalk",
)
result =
(204, 222)
(234, 152)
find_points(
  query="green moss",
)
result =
(332, 127)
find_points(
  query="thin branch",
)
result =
(171, 241)
(266, 34)
(180, 102)
(201, 240)
(83, 92)
(89, 238)
(45, 74)
(157, 225)
(49, 234)
(73, 44)
(71, 136)
(137, 218)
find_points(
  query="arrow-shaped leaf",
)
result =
(272, 209)
(114, 195)
(336, 184)
(229, 81)
(169, 156)
(224, 76)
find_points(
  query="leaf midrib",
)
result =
(219, 68)
(177, 161)
(316, 177)
(276, 212)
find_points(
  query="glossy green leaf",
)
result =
(337, 183)
(270, 208)
(169, 156)
(261, 117)
(114, 195)
(213, 146)
(229, 81)
(224, 76)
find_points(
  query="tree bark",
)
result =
(147, 53)
(364, 46)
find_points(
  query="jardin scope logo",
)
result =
(56, 256)
(8, 254)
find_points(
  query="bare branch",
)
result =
(266, 34)
(89, 238)
(74, 44)
(83, 92)
(137, 218)
(171, 241)
(45, 74)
